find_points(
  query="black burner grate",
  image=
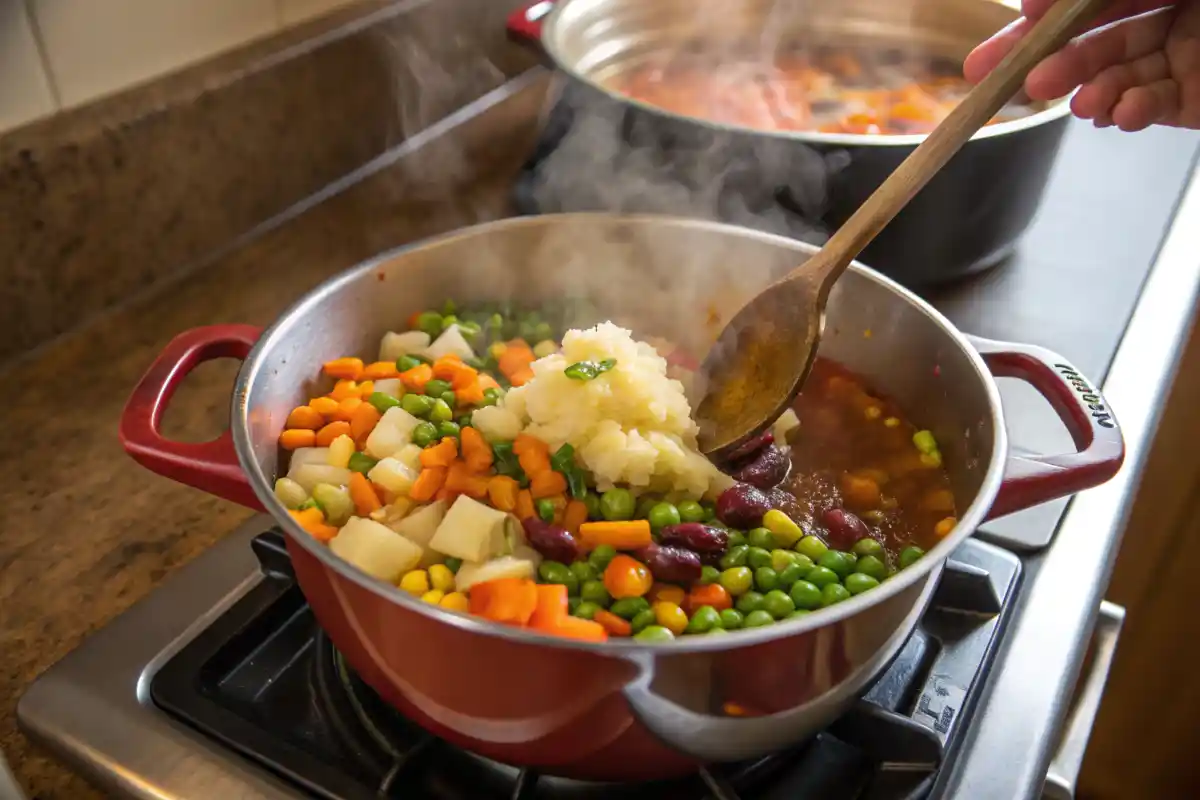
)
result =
(264, 680)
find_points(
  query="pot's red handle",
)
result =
(1031, 480)
(525, 24)
(210, 466)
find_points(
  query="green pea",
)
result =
(629, 607)
(662, 515)
(600, 557)
(790, 574)
(833, 593)
(703, 620)
(491, 396)
(405, 363)
(430, 322)
(572, 604)
(655, 634)
(449, 319)
(440, 411)
(463, 422)
(737, 580)
(309, 503)
(909, 556)
(448, 429)
(469, 330)
(924, 442)
(593, 591)
(870, 565)
(584, 571)
(735, 557)
(821, 576)
(449, 307)
(592, 501)
(765, 579)
(867, 547)
(749, 601)
(361, 462)
(424, 434)
(554, 572)
(778, 604)
(757, 557)
(736, 539)
(545, 509)
(691, 511)
(382, 402)
(839, 562)
(641, 620)
(761, 537)
(731, 619)
(782, 559)
(585, 609)
(811, 546)
(717, 631)
(799, 612)
(710, 511)
(417, 404)
(857, 582)
(804, 562)
(617, 504)
(453, 563)
(709, 575)
(644, 504)
(448, 397)
(757, 619)
(806, 595)
(436, 388)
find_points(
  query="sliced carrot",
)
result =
(441, 454)
(612, 623)
(380, 370)
(511, 601)
(532, 454)
(415, 379)
(428, 483)
(713, 594)
(296, 438)
(362, 422)
(349, 369)
(363, 495)
(502, 492)
(577, 628)
(575, 515)
(325, 406)
(346, 409)
(462, 480)
(632, 534)
(475, 450)
(305, 417)
(547, 484)
(525, 507)
(326, 435)
(343, 389)
(521, 377)
(487, 381)
(313, 523)
(551, 605)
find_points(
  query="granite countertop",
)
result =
(89, 532)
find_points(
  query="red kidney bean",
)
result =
(766, 469)
(550, 540)
(742, 506)
(671, 564)
(695, 536)
(844, 528)
(752, 446)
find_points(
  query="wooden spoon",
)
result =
(762, 357)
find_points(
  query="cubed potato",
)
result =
(376, 549)
(471, 531)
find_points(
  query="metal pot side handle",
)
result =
(210, 466)
(1032, 480)
(525, 24)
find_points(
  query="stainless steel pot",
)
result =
(621, 710)
(968, 218)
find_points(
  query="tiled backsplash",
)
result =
(55, 54)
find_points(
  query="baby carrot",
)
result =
(325, 406)
(612, 623)
(629, 535)
(296, 438)
(575, 515)
(346, 408)
(343, 389)
(345, 368)
(305, 417)
(362, 422)
(380, 370)
(363, 495)
(326, 435)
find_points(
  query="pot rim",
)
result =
(931, 562)
(1055, 109)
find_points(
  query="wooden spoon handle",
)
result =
(1064, 19)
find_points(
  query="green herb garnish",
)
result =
(589, 370)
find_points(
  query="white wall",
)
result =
(55, 54)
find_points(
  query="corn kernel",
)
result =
(441, 578)
(931, 460)
(671, 617)
(943, 528)
(497, 349)
(455, 601)
(891, 422)
(366, 389)
(433, 596)
(415, 582)
(667, 593)
(544, 348)
(873, 412)
(340, 450)
(780, 524)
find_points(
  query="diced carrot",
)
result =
(632, 534)
(326, 435)
(441, 454)
(446, 494)
(469, 395)
(487, 381)
(307, 516)
(349, 369)
(415, 379)
(346, 409)
(475, 449)
(612, 623)
(666, 593)
(296, 438)
(551, 605)
(363, 495)
(380, 370)
(362, 422)
(521, 377)
(575, 515)
(413, 319)
(859, 492)
(325, 406)
(525, 507)
(627, 577)
(578, 628)
(313, 523)
(502, 492)
(428, 483)
(305, 417)
(447, 367)
(343, 389)
(511, 601)
(533, 454)
(516, 357)
(462, 480)
(713, 594)
(547, 484)
(464, 376)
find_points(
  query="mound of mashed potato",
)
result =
(631, 425)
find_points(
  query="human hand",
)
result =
(1138, 65)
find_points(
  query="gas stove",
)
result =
(222, 678)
